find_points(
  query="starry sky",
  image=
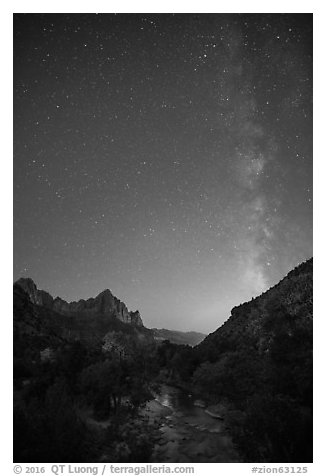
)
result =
(167, 157)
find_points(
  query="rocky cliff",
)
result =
(105, 304)
(261, 361)
(287, 306)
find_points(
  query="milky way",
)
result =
(166, 157)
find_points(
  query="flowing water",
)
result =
(187, 432)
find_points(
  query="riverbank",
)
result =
(185, 432)
(214, 409)
(177, 429)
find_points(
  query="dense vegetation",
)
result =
(57, 400)
(259, 364)
(64, 389)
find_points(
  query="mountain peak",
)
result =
(105, 304)
(39, 297)
(104, 292)
(26, 282)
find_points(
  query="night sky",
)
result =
(165, 157)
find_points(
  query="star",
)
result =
(144, 146)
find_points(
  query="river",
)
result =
(186, 433)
